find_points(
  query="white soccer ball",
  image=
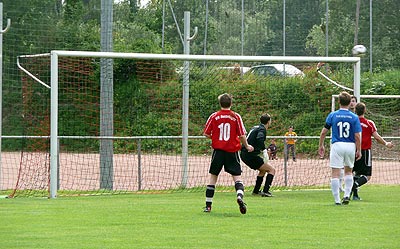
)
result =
(359, 50)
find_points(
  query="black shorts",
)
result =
(364, 165)
(252, 160)
(229, 160)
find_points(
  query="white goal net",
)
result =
(143, 131)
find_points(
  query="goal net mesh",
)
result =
(383, 109)
(146, 108)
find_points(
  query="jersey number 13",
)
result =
(344, 129)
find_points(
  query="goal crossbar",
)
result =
(373, 96)
(149, 56)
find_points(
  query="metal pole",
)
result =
(357, 76)
(242, 34)
(326, 29)
(1, 73)
(53, 124)
(1, 82)
(106, 97)
(139, 151)
(185, 105)
(370, 36)
(284, 28)
(205, 33)
(163, 27)
(333, 105)
(285, 161)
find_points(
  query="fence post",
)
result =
(185, 104)
(1, 72)
(139, 152)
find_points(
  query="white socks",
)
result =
(348, 185)
(335, 184)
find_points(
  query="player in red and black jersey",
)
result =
(362, 169)
(226, 130)
(256, 138)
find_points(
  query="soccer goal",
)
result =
(88, 130)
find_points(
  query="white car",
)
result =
(285, 70)
(237, 69)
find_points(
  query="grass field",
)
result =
(291, 219)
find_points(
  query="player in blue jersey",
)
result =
(345, 146)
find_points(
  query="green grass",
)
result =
(291, 219)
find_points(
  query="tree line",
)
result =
(225, 27)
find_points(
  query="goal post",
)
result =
(56, 54)
(53, 124)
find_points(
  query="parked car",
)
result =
(285, 70)
(235, 69)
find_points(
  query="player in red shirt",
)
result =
(363, 168)
(226, 130)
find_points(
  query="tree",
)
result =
(357, 20)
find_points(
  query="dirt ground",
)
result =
(163, 172)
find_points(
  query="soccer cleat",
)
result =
(266, 194)
(345, 200)
(242, 205)
(207, 209)
(338, 204)
(356, 198)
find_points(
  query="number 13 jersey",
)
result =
(344, 124)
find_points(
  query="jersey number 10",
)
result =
(224, 131)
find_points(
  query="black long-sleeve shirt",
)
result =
(256, 138)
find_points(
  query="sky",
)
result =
(142, 2)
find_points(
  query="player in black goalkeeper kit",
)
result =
(256, 138)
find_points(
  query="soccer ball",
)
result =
(359, 50)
